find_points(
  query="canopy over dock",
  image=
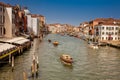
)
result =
(18, 40)
(5, 46)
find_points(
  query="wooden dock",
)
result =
(13, 47)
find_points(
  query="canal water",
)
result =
(89, 64)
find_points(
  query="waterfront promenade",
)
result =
(115, 44)
(12, 47)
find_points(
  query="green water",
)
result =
(89, 64)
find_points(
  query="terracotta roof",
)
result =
(2, 4)
(5, 5)
(108, 24)
(41, 15)
(36, 15)
(84, 23)
(107, 19)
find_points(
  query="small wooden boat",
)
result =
(66, 59)
(55, 43)
(49, 40)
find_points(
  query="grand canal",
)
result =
(89, 64)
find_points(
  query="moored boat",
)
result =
(93, 46)
(66, 59)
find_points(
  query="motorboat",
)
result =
(93, 46)
(66, 59)
(55, 43)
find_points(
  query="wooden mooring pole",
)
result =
(12, 63)
(34, 66)
(10, 59)
(25, 76)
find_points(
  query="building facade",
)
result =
(2, 19)
(35, 25)
(29, 23)
(52, 28)
(107, 32)
(9, 22)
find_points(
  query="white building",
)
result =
(63, 28)
(9, 22)
(52, 28)
(26, 11)
(107, 32)
(29, 20)
(76, 29)
(57, 28)
(35, 25)
(29, 23)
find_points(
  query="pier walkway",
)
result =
(13, 46)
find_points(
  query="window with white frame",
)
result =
(112, 33)
(116, 28)
(107, 28)
(102, 28)
(106, 33)
(102, 33)
(115, 33)
(115, 38)
(106, 38)
(102, 38)
(112, 28)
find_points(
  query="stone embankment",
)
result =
(115, 44)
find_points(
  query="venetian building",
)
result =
(8, 21)
(2, 19)
(21, 20)
(108, 29)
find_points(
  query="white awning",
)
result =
(5, 46)
(21, 41)
(18, 40)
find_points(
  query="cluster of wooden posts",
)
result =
(34, 68)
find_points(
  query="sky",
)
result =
(71, 12)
